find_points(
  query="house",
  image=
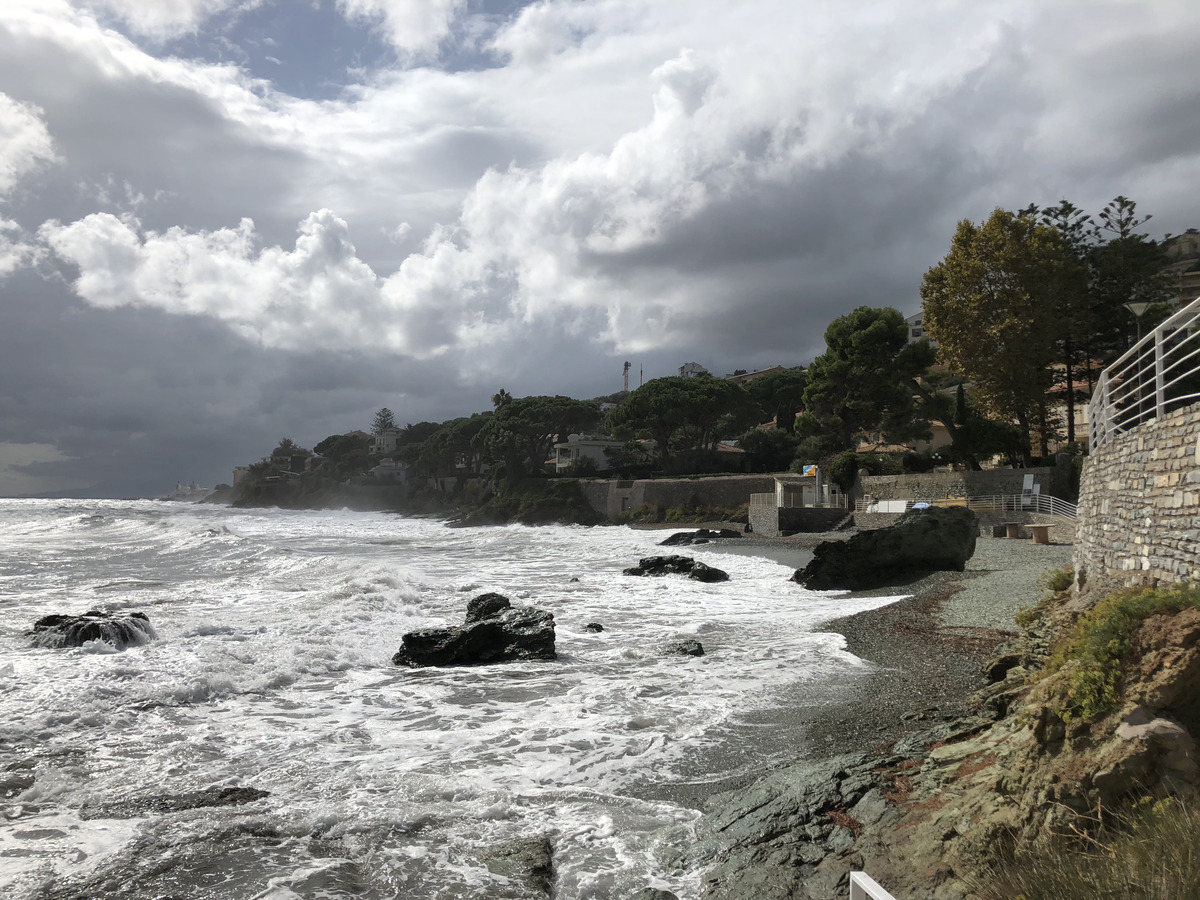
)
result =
(385, 441)
(1184, 269)
(391, 470)
(692, 370)
(570, 452)
(741, 377)
(916, 328)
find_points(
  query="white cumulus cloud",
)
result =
(165, 19)
(414, 27)
(25, 142)
(319, 294)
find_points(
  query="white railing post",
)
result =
(864, 887)
(1159, 394)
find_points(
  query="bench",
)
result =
(1041, 533)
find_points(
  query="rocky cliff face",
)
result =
(926, 815)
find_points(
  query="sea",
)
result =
(271, 670)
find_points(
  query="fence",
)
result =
(1159, 373)
(864, 887)
(1032, 503)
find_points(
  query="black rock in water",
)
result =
(120, 630)
(170, 803)
(494, 631)
(677, 565)
(700, 536)
(685, 648)
(594, 627)
(707, 574)
(919, 542)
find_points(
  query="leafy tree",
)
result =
(288, 447)
(500, 398)
(988, 304)
(1109, 264)
(384, 419)
(863, 382)
(521, 431)
(676, 412)
(348, 454)
(451, 448)
(780, 395)
(768, 449)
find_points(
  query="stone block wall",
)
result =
(987, 483)
(1139, 504)
(613, 497)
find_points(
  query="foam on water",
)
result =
(272, 670)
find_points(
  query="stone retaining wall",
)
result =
(1053, 481)
(1139, 504)
(612, 497)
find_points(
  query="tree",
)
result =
(1109, 264)
(678, 411)
(500, 398)
(451, 448)
(862, 383)
(989, 305)
(384, 419)
(521, 431)
(780, 395)
(348, 454)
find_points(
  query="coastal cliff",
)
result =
(1086, 718)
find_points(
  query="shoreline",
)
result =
(925, 655)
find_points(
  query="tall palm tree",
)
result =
(500, 398)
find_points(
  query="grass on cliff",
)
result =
(1153, 853)
(1092, 652)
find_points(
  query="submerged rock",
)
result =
(677, 565)
(921, 541)
(528, 861)
(684, 648)
(130, 629)
(493, 631)
(170, 803)
(594, 627)
(700, 536)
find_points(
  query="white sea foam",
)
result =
(271, 669)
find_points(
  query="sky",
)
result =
(224, 222)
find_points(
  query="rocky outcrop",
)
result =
(120, 630)
(493, 631)
(678, 565)
(921, 541)
(700, 536)
(939, 807)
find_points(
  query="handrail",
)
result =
(1035, 503)
(1159, 373)
(864, 887)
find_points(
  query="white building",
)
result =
(569, 452)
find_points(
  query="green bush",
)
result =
(1093, 651)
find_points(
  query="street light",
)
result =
(1138, 308)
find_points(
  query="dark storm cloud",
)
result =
(565, 187)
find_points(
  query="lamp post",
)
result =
(1138, 308)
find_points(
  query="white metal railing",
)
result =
(1033, 503)
(1159, 373)
(864, 887)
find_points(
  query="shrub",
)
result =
(1150, 853)
(1101, 638)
